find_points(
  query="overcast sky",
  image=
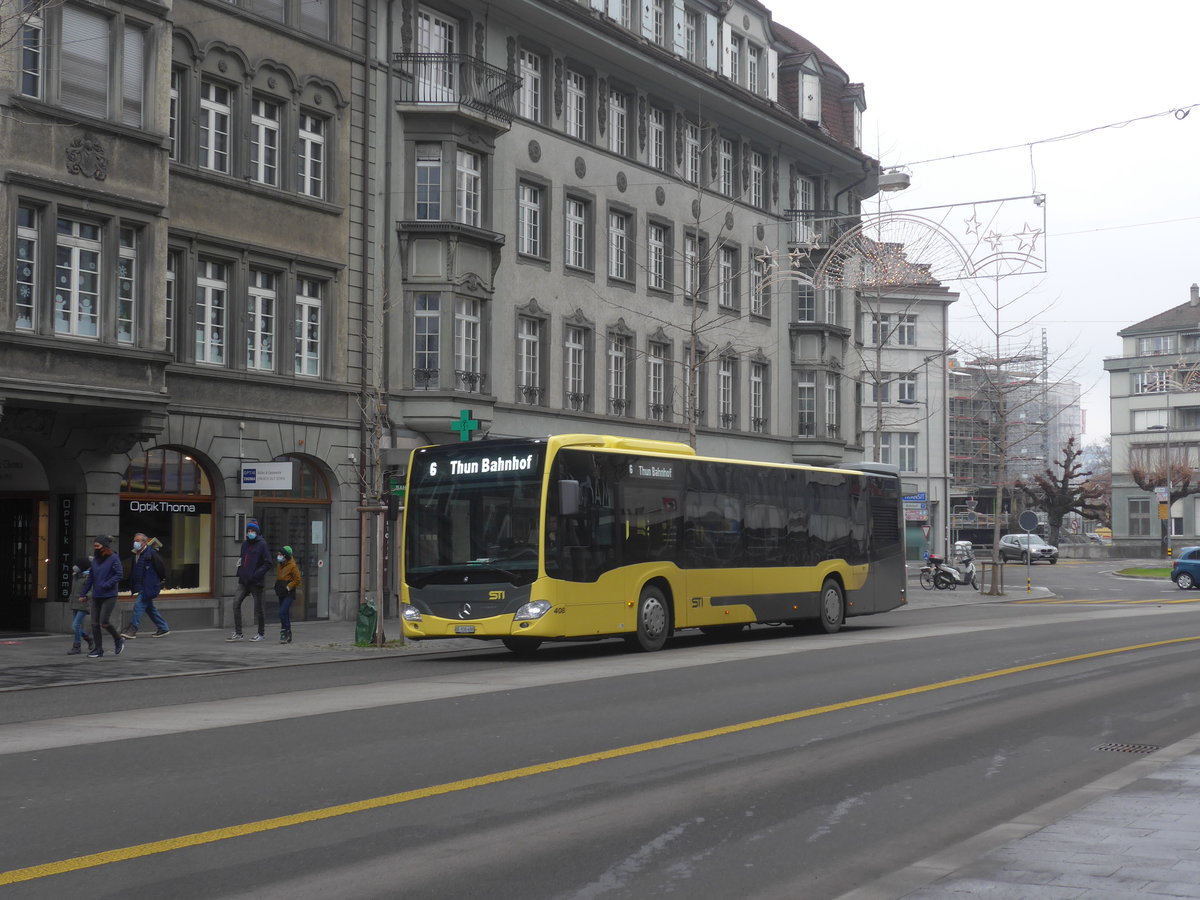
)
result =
(946, 78)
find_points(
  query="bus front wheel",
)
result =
(833, 606)
(522, 646)
(653, 620)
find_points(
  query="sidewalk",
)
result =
(42, 661)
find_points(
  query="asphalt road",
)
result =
(772, 766)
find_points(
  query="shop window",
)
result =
(166, 494)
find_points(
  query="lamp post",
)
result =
(1168, 525)
(929, 438)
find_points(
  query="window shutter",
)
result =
(600, 5)
(648, 20)
(614, 10)
(679, 19)
(133, 70)
(710, 38)
(83, 86)
(810, 97)
(726, 50)
(772, 75)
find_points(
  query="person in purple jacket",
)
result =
(103, 580)
(253, 566)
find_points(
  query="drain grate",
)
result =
(1129, 748)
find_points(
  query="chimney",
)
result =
(1195, 298)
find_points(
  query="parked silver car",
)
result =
(1027, 548)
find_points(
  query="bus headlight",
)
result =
(410, 613)
(534, 610)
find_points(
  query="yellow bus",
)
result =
(582, 537)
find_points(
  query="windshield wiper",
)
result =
(488, 564)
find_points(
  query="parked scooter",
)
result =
(943, 576)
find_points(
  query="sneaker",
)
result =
(75, 649)
(162, 632)
(289, 637)
(120, 645)
(95, 654)
(129, 634)
(257, 637)
(236, 636)
(283, 637)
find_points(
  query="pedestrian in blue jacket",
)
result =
(103, 580)
(253, 566)
(147, 583)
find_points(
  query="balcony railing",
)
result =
(618, 405)
(474, 382)
(577, 400)
(659, 412)
(531, 394)
(425, 379)
(816, 226)
(441, 79)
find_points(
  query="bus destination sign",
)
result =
(485, 465)
(656, 469)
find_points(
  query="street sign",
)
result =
(925, 531)
(1028, 520)
(916, 498)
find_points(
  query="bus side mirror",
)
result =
(568, 498)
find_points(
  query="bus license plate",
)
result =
(464, 629)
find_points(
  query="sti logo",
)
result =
(249, 476)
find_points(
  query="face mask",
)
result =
(279, 559)
(251, 535)
(137, 545)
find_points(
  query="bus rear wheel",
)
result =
(833, 606)
(653, 620)
(522, 646)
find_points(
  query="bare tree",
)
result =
(1064, 489)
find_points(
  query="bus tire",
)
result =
(653, 620)
(522, 646)
(833, 606)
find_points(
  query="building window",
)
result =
(1156, 345)
(127, 268)
(658, 22)
(1144, 419)
(881, 387)
(575, 367)
(906, 451)
(735, 58)
(529, 221)
(693, 36)
(429, 183)
(806, 302)
(726, 167)
(727, 273)
(88, 73)
(260, 322)
(832, 405)
(170, 298)
(656, 382)
(31, 49)
(831, 306)
(618, 245)
(576, 242)
(696, 383)
(658, 139)
(77, 278)
(759, 289)
(1152, 382)
(625, 10)
(25, 301)
(311, 160)
(576, 110)
(308, 326)
(727, 391)
(1139, 517)
(314, 18)
(757, 167)
(906, 330)
(173, 114)
(656, 256)
(529, 360)
(618, 362)
(618, 112)
(758, 397)
(212, 289)
(806, 403)
(467, 192)
(691, 153)
(467, 348)
(754, 69)
(436, 73)
(691, 266)
(264, 142)
(906, 388)
(881, 326)
(530, 99)
(427, 344)
(214, 127)
(802, 223)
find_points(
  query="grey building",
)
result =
(302, 238)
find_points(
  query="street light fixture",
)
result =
(1168, 527)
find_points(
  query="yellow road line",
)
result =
(136, 851)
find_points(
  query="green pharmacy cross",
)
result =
(465, 425)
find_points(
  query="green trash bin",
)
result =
(364, 632)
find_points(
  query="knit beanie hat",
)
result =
(104, 540)
(287, 551)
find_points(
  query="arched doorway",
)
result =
(299, 518)
(24, 535)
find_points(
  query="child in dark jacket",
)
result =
(81, 605)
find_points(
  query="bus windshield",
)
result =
(473, 514)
